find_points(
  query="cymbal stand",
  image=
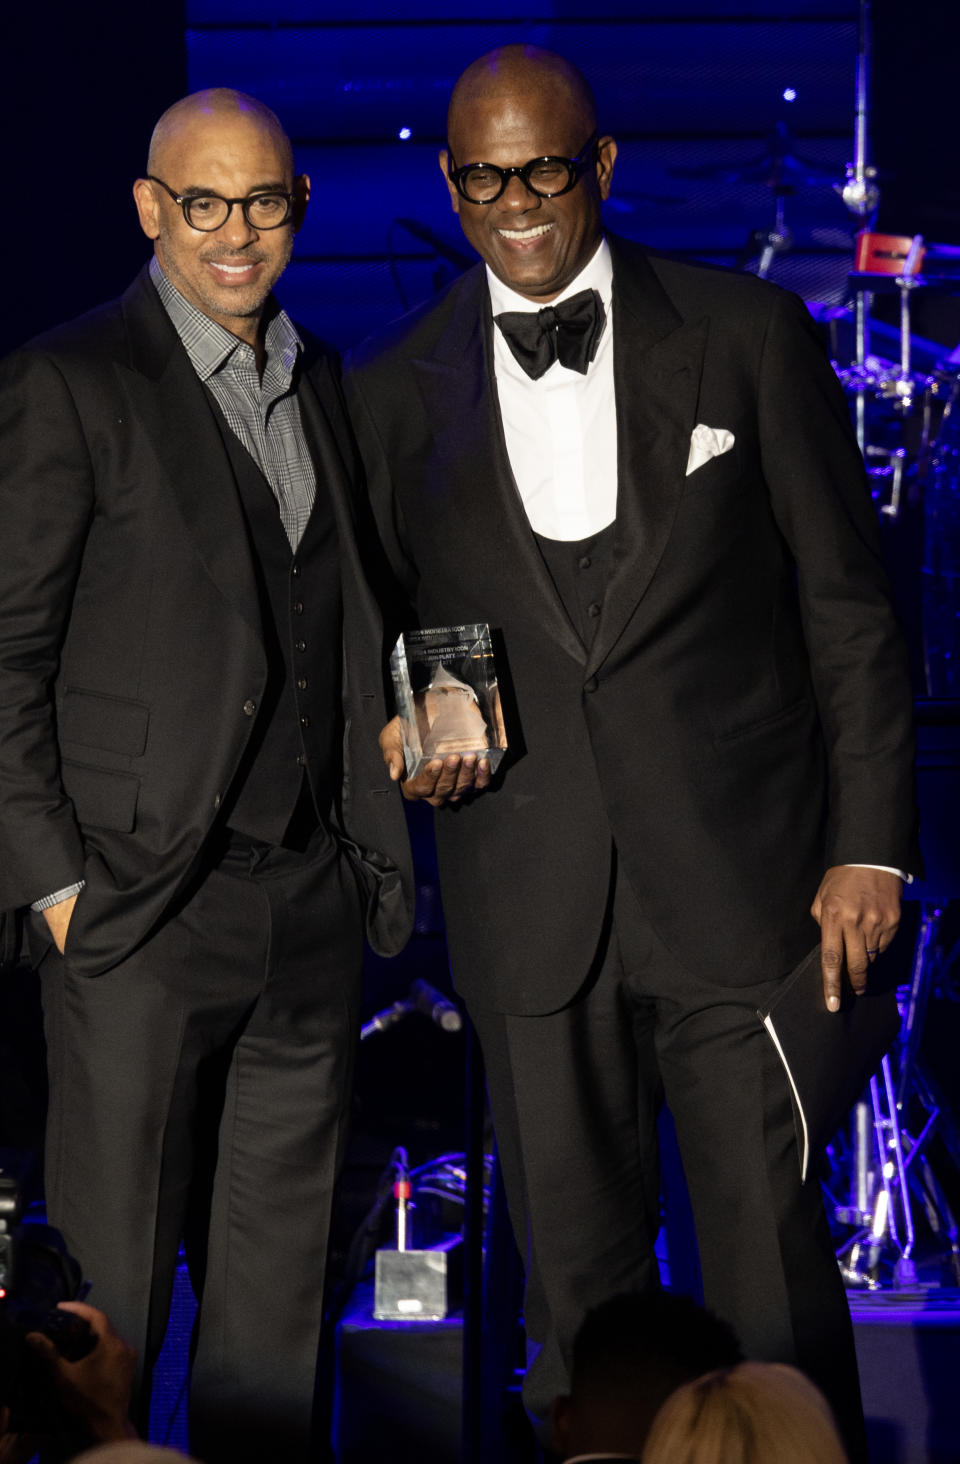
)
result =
(773, 241)
(860, 192)
(862, 197)
(900, 388)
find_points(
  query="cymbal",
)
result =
(783, 174)
(780, 168)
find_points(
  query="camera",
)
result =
(36, 1272)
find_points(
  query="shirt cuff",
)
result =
(887, 869)
(58, 896)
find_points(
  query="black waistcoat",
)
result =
(298, 730)
(580, 570)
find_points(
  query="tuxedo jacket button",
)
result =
(249, 707)
(591, 684)
(216, 803)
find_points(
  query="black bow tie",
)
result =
(569, 333)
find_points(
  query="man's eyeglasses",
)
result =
(546, 177)
(208, 211)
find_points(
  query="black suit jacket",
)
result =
(130, 634)
(743, 719)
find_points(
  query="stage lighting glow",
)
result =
(789, 94)
(404, 134)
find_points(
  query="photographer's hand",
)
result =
(96, 1390)
(15, 1448)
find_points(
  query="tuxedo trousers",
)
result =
(575, 1096)
(200, 1090)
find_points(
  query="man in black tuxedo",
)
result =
(641, 473)
(192, 797)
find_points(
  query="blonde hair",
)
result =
(131, 1452)
(754, 1413)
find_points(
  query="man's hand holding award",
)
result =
(448, 737)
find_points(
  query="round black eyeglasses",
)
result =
(208, 211)
(547, 177)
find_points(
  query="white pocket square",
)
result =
(706, 443)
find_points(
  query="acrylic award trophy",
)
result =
(445, 687)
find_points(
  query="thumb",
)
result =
(42, 1344)
(391, 745)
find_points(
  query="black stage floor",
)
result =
(398, 1384)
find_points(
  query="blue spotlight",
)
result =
(789, 94)
(404, 134)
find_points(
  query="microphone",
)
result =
(382, 1021)
(433, 1004)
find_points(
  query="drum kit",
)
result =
(894, 1178)
(906, 411)
(900, 1160)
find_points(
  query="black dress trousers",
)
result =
(200, 1089)
(575, 1096)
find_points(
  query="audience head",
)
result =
(630, 1353)
(130, 1452)
(750, 1414)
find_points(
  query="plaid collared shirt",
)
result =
(265, 417)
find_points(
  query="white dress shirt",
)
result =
(561, 431)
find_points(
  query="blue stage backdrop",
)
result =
(692, 90)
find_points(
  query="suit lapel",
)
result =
(324, 423)
(331, 447)
(459, 392)
(173, 409)
(657, 365)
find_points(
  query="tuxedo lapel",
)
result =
(658, 360)
(172, 408)
(459, 392)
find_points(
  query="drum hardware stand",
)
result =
(783, 171)
(884, 1171)
(895, 463)
(907, 280)
(868, 377)
(862, 198)
(774, 240)
(860, 192)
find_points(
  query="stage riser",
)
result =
(399, 1387)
